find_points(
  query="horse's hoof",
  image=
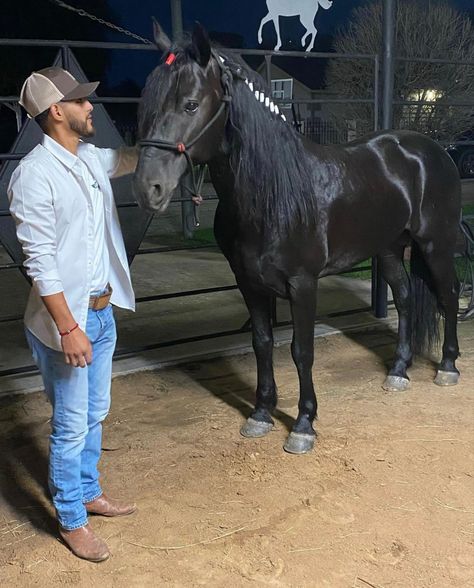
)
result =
(253, 428)
(446, 378)
(395, 384)
(299, 443)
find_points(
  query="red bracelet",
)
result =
(64, 333)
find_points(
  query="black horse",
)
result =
(291, 211)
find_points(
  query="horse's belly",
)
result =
(359, 246)
(365, 226)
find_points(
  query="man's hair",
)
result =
(42, 120)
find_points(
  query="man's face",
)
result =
(78, 114)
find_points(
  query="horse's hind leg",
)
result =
(303, 310)
(395, 274)
(439, 257)
(260, 421)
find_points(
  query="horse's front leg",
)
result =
(260, 421)
(303, 309)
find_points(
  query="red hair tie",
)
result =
(171, 57)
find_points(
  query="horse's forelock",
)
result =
(159, 83)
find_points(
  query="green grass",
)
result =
(459, 262)
(200, 237)
(468, 209)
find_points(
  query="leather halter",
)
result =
(181, 148)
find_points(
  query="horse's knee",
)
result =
(261, 337)
(302, 356)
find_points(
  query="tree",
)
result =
(424, 29)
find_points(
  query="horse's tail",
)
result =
(425, 313)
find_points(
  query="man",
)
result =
(61, 199)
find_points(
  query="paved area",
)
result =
(158, 322)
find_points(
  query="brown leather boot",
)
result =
(85, 544)
(109, 507)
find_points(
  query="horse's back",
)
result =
(387, 185)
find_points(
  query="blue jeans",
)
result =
(80, 398)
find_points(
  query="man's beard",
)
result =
(81, 128)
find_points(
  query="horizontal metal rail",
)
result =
(436, 60)
(436, 103)
(75, 44)
(184, 293)
(143, 47)
(32, 369)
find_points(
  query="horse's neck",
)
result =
(223, 178)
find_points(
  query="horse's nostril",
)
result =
(156, 192)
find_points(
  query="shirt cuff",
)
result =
(48, 287)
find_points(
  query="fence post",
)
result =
(187, 207)
(379, 285)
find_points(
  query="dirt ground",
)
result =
(386, 499)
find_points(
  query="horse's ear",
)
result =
(162, 40)
(201, 44)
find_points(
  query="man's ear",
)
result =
(162, 40)
(201, 45)
(55, 112)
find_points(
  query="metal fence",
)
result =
(322, 133)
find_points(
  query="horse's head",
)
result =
(181, 98)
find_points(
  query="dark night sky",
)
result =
(237, 16)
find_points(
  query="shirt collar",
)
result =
(65, 157)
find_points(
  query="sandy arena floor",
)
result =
(385, 500)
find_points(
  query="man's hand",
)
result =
(127, 161)
(77, 348)
(74, 342)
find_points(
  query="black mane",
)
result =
(274, 174)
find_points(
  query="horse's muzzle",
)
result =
(150, 197)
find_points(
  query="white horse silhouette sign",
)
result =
(305, 9)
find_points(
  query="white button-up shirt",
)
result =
(52, 206)
(101, 263)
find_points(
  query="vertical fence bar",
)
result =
(268, 70)
(379, 286)
(65, 57)
(376, 92)
(187, 210)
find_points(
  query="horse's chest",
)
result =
(264, 269)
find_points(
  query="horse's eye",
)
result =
(191, 107)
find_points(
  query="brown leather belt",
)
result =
(101, 301)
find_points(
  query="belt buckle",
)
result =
(94, 301)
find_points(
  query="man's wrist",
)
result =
(66, 332)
